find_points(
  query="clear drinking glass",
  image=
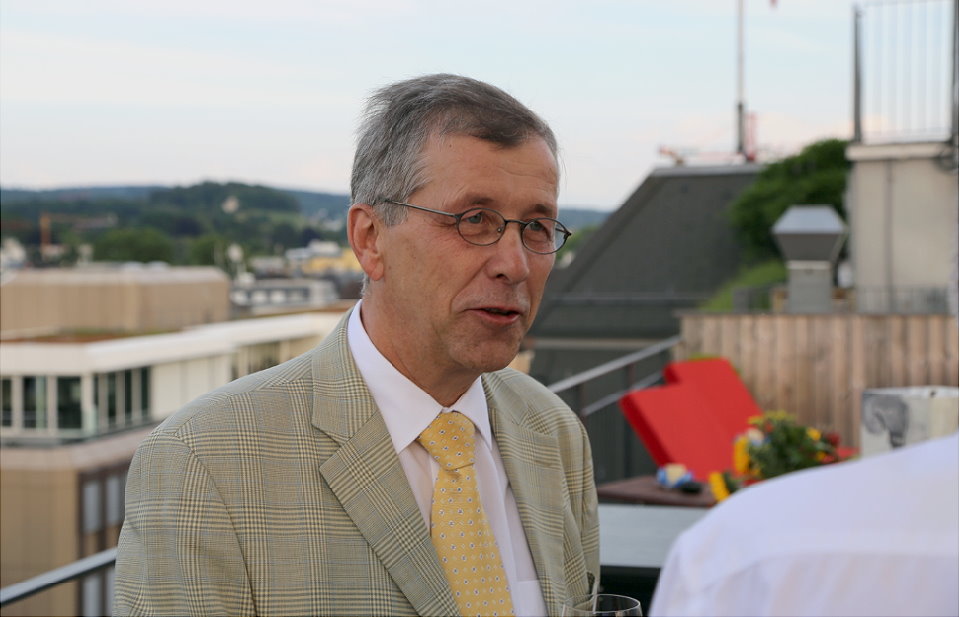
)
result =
(602, 605)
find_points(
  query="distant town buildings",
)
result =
(120, 298)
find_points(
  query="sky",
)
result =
(107, 92)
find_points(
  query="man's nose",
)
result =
(511, 258)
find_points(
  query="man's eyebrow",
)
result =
(550, 211)
(481, 199)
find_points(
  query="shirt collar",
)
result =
(406, 409)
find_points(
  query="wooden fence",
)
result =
(817, 366)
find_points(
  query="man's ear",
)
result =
(363, 232)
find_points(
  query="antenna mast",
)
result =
(741, 125)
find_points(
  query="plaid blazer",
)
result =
(281, 494)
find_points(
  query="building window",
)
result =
(101, 516)
(34, 402)
(128, 397)
(122, 398)
(92, 506)
(111, 396)
(69, 405)
(144, 392)
(6, 402)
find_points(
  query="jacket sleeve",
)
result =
(178, 552)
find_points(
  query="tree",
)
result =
(817, 175)
(134, 244)
(207, 250)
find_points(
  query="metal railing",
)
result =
(909, 300)
(575, 385)
(65, 574)
(905, 71)
(627, 365)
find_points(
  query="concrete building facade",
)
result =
(133, 298)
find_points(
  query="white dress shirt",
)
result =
(407, 411)
(878, 536)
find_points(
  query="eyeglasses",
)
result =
(484, 226)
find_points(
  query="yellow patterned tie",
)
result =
(458, 525)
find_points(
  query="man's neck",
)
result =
(446, 389)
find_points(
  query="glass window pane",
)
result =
(6, 401)
(91, 506)
(114, 500)
(128, 396)
(34, 402)
(69, 412)
(93, 594)
(144, 392)
(112, 398)
(110, 573)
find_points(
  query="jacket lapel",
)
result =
(534, 472)
(368, 480)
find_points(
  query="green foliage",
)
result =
(192, 219)
(134, 244)
(765, 274)
(817, 175)
(207, 250)
(174, 221)
(209, 197)
(578, 239)
(787, 446)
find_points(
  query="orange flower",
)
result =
(741, 458)
(718, 485)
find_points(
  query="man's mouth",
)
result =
(499, 311)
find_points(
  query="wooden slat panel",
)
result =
(729, 336)
(937, 351)
(896, 350)
(786, 359)
(746, 359)
(763, 384)
(822, 362)
(881, 363)
(710, 336)
(800, 403)
(817, 366)
(838, 340)
(918, 370)
(953, 370)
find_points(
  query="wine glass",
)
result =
(602, 605)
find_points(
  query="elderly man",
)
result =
(398, 468)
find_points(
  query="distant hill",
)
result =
(578, 218)
(329, 206)
(313, 204)
(310, 202)
(80, 193)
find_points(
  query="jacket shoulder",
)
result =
(256, 398)
(540, 408)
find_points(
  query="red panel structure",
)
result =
(721, 388)
(677, 426)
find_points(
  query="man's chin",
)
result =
(488, 357)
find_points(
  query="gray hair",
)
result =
(401, 117)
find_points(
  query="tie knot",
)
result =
(449, 440)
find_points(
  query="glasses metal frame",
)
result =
(560, 229)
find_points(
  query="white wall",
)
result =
(903, 216)
(175, 384)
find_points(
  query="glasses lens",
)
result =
(481, 226)
(544, 235)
